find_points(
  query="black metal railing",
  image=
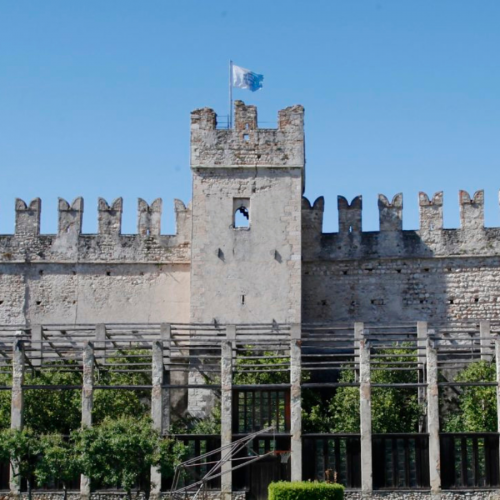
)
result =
(332, 457)
(4, 475)
(256, 409)
(469, 460)
(400, 461)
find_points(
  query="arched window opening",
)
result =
(242, 217)
(241, 213)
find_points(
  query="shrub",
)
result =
(305, 491)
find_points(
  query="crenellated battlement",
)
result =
(70, 216)
(350, 214)
(472, 210)
(472, 238)
(246, 145)
(110, 216)
(28, 217)
(109, 244)
(431, 211)
(149, 217)
(391, 213)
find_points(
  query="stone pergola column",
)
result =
(365, 409)
(296, 402)
(226, 408)
(87, 403)
(166, 336)
(497, 361)
(433, 416)
(17, 405)
(157, 408)
(421, 363)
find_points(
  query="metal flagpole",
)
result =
(230, 116)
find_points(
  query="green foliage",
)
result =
(118, 453)
(302, 490)
(315, 416)
(48, 411)
(477, 406)
(170, 454)
(341, 414)
(133, 403)
(267, 375)
(121, 452)
(21, 448)
(58, 460)
(192, 425)
(343, 411)
(5, 400)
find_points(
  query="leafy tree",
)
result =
(477, 406)
(170, 454)
(267, 376)
(394, 409)
(315, 415)
(49, 411)
(5, 401)
(58, 460)
(121, 452)
(134, 403)
(22, 449)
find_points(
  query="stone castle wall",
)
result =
(72, 277)
(432, 274)
(284, 268)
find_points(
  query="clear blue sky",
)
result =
(95, 97)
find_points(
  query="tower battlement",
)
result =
(246, 145)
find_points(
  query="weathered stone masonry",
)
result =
(108, 277)
(433, 274)
(282, 268)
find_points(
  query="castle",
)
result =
(280, 268)
(249, 271)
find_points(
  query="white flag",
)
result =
(243, 78)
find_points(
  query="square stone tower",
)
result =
(246, 240)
